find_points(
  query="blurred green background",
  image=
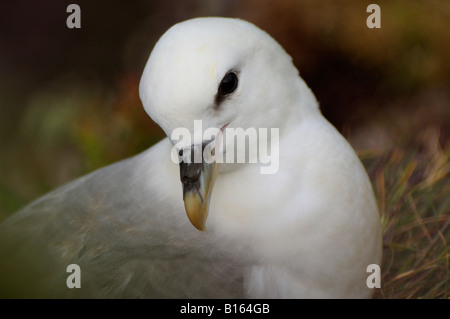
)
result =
(69, 99)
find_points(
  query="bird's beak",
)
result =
(198, 181)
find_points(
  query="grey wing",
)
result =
(127, 244)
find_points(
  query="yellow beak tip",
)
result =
(195, 210)
(200, 228)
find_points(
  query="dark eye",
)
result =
(228, 85)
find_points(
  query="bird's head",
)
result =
(225, 73)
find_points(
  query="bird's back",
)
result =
(125, 231)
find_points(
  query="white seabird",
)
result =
(308, 231)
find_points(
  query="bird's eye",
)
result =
(229, 84)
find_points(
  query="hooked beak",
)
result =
(198, 181)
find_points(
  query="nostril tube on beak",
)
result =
(190, 175)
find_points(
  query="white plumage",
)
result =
(309, 230)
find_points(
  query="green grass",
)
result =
(412, 184)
